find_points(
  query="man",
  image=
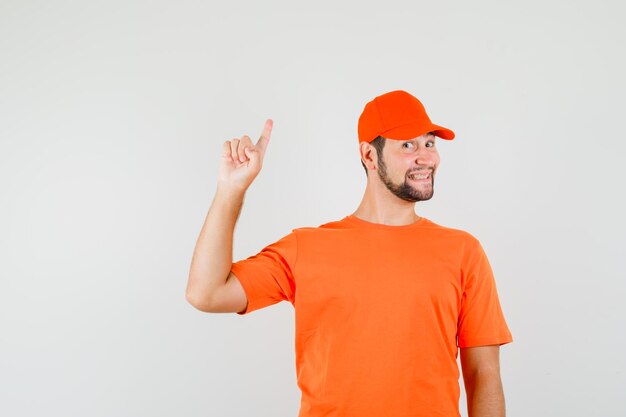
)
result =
(383, 298)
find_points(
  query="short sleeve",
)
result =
(481, 321)
(267, 277)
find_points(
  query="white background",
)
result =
(112, 118)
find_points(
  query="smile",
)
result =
(417, 177)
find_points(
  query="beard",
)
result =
(407, 190)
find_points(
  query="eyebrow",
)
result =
(430, 137)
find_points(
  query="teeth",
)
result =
(419, 177)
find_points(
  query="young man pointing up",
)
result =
(383, 298)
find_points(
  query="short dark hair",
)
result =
(378, 144)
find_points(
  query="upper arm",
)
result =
(228, 298)
(480, 359)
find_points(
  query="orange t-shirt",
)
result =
(378, 310)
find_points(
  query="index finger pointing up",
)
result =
(265, 135)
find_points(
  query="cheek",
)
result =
(436, 160)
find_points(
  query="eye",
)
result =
(431, 142)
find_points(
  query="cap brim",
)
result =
(443, 132)
(411, 131)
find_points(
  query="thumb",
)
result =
(253, 154)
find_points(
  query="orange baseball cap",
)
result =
(397, 115)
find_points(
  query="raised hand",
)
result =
(241, 161)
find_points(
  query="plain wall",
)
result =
(112, 119)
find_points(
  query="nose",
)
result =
(424, 158)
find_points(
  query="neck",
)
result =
(381, 206)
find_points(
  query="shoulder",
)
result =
(333, 224)
(322, 228)
(452, 233)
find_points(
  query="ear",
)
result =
(368, 155)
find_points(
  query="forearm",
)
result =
(212, 256)
(485, 395)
